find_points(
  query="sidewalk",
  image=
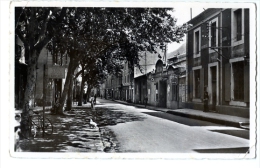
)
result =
(72, 132)
(217, 118)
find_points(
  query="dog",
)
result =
(92, 124)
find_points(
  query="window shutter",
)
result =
(246, 83)
(201, 83)
(227, 82)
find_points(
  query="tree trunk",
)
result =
(69, 97)
(71, 69)
(29, 93)
(81, 93)
(88, 92)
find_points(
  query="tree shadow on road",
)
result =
(108, 117)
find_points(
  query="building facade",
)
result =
(127, 81)
(217, 61)
(52, 68)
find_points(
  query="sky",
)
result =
(183, 15)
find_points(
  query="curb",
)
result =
(206, 118)
(194, 116)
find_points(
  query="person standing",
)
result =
(92, 101)
(95, 98)
(206, 100)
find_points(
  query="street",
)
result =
(156, 132)
(123, 129)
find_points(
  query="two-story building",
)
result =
(127, 82)
(217, 60)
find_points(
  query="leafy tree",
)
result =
(35, 27)
(115, 34)
(106, 34)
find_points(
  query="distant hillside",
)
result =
(180, 50)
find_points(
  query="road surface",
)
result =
(153, 131)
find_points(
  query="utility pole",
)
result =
(190, 13)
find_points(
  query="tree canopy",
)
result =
(107, 35)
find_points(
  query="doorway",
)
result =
(214, 87)
(162, 94)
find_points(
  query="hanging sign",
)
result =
(56, 72)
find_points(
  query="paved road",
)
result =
(160, 132)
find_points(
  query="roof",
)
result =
(180, 51)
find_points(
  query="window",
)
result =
(238, 24)
(197, 42)
(237, 20)
(213, 40)
(197, 83)
(213, 34)
(238, 80)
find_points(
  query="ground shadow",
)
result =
(108, 117)
(181, 120)
(238, 133)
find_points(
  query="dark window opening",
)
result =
(213, 35)
(238, 24)
(197, 41)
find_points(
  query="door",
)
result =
(214, 87)
(162, 94)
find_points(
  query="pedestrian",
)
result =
(206, 100)
(95, 98)
(92, 101)
(101, 96)
(145, 100)
(56, 106)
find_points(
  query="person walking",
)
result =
(206, 100)
(92, 101)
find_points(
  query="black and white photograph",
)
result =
(132, 81)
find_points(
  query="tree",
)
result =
(35, 27)
(114, 34)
